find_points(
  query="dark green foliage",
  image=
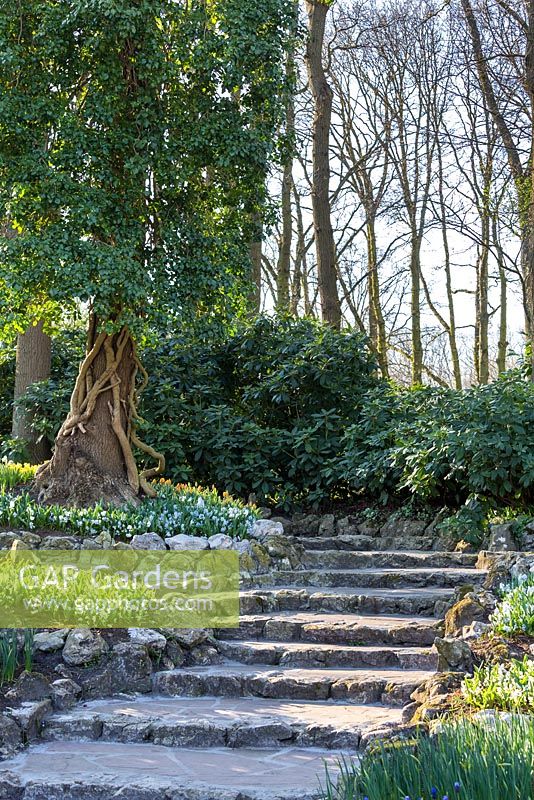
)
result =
(469, 523)
(292, 411)
(368, 445)
(445, 445)
(481, 441)
(7, 387)
(134, 142)
(263, 411)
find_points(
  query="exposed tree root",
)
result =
(88, 465)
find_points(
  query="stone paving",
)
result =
(322, 662)
(148, 772)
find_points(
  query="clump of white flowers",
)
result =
(515, 613)
(175, 509)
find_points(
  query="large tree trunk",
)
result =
(33, 363)
(322, 222)
(93, 459)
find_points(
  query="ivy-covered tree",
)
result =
(134, 138)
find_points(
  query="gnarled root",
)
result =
(88, 464)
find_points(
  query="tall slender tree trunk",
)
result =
(296, 285)
(301, 265)
(308, 305)
(373, 322)
(502, 347)
(527, 260)
(451, 327)
(415, 311)
(255, 254)
(322, 222)
(283, 268)
(525, 192)
(484, 209)
(455, 358)
(476, 336)
(33, 362)
(300, 254)
(482, 359)
(93, 457)
(377, 325)
(503, 322)
(527, 187)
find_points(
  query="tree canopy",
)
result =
(134, 137)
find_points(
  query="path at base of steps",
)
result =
(100, 771)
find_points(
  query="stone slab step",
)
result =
(390, 687)
(346, 629)
(422, 543)
(419, 601)
(106, 770)
(349, 559)
(447, 577)
(221, 722)
(304, 654)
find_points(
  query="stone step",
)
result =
(105, 770)
(346, 629)
(447, 577)
(367, 542)
(420, 601)
(350, 559)
(390, 687)
(221, 722)
(304, 654)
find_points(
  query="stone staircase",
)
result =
(323, 661)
